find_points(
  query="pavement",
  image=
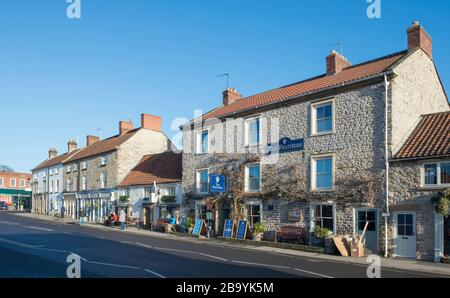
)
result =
(38, 246)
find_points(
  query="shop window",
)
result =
(253, 214)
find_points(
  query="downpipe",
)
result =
(386, 150)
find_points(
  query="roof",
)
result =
(347, 75)
(54, 161)
(103, 146)
(160, 168)
(430, 138)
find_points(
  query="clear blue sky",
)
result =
(63, 78)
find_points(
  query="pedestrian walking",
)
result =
(81, 214)
(122, 219)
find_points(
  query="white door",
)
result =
(405, 234)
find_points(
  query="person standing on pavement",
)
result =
(81, 214)
(122, 219)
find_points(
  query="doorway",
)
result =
(405, 235)
(371, 237)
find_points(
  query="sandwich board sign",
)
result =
(228, 228)
(199, 227)
(242, 230)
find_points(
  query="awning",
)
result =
(14, 192)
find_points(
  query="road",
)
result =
(34, 248)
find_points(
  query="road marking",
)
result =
(50, 249)
(144, 245)
(173, 249)
(16, 243)
(10, 223)
(126, 242)
(112, 265)
(259, 264)
(155, 273)
(214, 257)
(313, 273)
(39, 228)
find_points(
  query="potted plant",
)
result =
(443, 205)
(319, 236)
(124, 199)
(258, 231)
(190, 225)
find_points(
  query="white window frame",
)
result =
(51, 172)
(103, 160)
(198, 141)
(312, 207)
(22, 183)
(314, 159)
(57, 186)
(84, 183)
(103, 180)
(254, 203)
(2, 182)
(84, 165)
(247, 177)
(56, 171)
(314, 107)
(68, 184)
(246, 130)
(11, 184)
(51, 186)
(438, 173)
(69, 168)
(198, 182)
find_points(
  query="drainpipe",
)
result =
(386, 150)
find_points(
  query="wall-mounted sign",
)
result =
(228, 228)
(217, 183)
(286, 145)
(294, 216)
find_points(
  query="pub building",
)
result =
(335, 137)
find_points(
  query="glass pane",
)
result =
(253, 132)
(408, 230)
(361, 225)
(204, 142)
(317, 211)
(445, 173)
(431, 174)
(325, 124)
(409, 219)
(401, 219)
(401, 230)
(324, 181)
(318, 223)
(371, 227)
(371, 215)
(328, 223)
(327, 211)
(255, 210)
(362, 215)
(328, 111)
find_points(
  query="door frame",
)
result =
(395, 232)
(377, 222)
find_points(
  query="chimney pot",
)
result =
(336, 63)
(52, 153)
(419, 38)
(91, 140)
(230, 95)
(125, 126)
(151, 122)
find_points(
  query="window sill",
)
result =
(319, 134)
(328, 190)
(434, 187)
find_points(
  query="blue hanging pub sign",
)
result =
(217, 183)
(286, 145)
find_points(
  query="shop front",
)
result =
(69, 206)
(96, 205)
(16, 199)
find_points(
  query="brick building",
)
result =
(15, 190)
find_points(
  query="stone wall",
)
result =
(416, 90)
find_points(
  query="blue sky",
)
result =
(63, 78)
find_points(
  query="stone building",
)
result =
(93, 174)
(152, 190)
(48, 181)
(316, 152)
(419, 175)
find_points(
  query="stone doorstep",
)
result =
(282, 248)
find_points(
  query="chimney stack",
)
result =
(419, 38)
(336, 63)
(230, 95)
(91, 140)
(52, 153)
(151, 122)
(125, 126)
(72, 145)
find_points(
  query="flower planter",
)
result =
(319, 242)
(257, 236)
(189, 230)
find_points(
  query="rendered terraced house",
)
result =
(333, 148)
